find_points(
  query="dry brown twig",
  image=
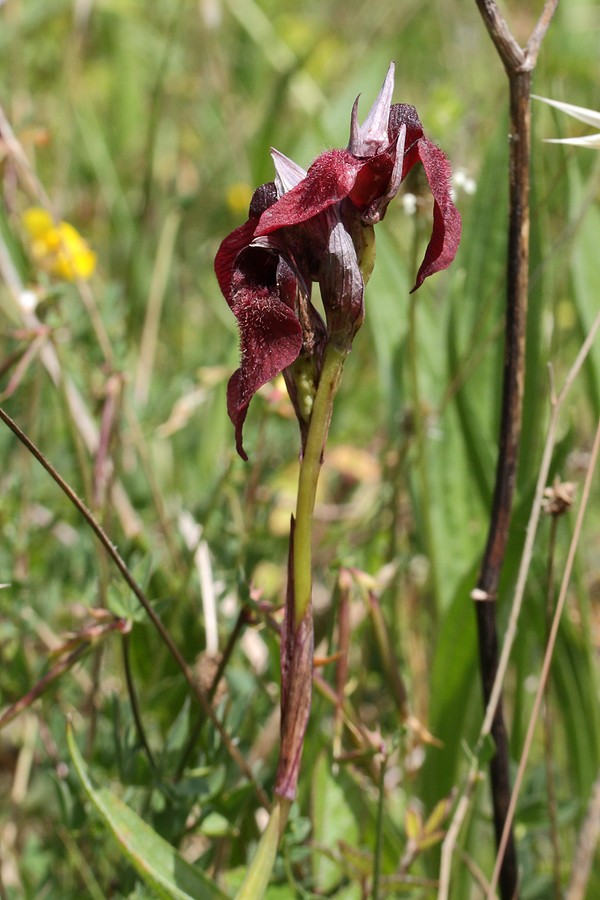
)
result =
(519, 63)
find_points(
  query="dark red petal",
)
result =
(263, 197)
(403, 114)
(270, 340)
(445, 236)
(372, 179)
(227, 252)
(330, 178)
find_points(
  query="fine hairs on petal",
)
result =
(447, 226)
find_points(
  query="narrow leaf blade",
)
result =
(156, 861)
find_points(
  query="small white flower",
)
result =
(589, 116)
(28, 300)
(409, 203)
(462, 181)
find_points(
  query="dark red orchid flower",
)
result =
(314, 226)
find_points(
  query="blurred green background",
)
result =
(148, 125)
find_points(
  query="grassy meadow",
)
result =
(146, 127)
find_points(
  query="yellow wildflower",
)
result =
(58, 248)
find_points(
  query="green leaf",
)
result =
(413, 822)
(455, 696)
(430, 840)
(438, 815)
(334, 821)
(157, 862)
(216, 825)
(259, 872)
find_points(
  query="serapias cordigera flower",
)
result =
(317, 227)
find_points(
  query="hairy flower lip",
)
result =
(263, 301)
(228, 253)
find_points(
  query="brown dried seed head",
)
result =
(559, 498)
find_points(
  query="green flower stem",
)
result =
(310, 467)
(258, 875)
(422, 475)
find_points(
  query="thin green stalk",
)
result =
(310, 467)
(242, 620)
(258, 875)
(421, 441)
(259, 872)
(548, 722)
(135, 706)
(379, 832)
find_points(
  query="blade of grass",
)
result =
(156, 861)
(158, 286)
